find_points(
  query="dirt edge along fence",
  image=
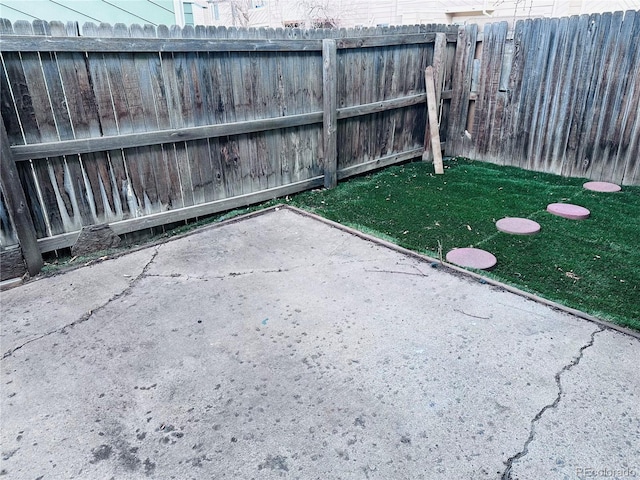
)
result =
(137, 127)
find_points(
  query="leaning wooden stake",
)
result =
(439, 66)
(17, 206)
(434, 128)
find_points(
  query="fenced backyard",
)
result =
(137, 127)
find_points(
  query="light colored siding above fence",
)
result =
(154, 12)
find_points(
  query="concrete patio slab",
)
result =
(598, 410)
(281, 347)
(48, 304)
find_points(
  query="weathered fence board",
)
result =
(571, 100)
(8, 234)
(489, 104)
(461, 90)
(628, 126)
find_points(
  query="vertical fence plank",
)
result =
(618, 64)
(488, 86)
(379, 75)
(459, 110)
(271, 96)
(557, 79)
(54, 212)
(153, 194)
(217, 105)
(83, 121)
(330, 115)
(596, 100)
(564, 101)
(355, 66)
(194, 100)
(518, 82)
(539, 96)
(17, 206)
(172, 72)
(600, 26)
(627, 161)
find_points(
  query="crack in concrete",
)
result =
(397, 272)
(251, 272)
(269, 270)
(532, 432)
(90, 313)
(206, 278)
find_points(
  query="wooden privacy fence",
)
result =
(560, 95)
(138, 127)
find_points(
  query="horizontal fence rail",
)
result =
(26, 43)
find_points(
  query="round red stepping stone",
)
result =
(568, 210)
(602, 187)
(472, 258)
(518, 226)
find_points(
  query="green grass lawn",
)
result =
(592, 265)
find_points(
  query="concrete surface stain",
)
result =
(102, 452)
(129, 460)
(197, 461)
(7, 455)
(149, 467)
(274, 463)
(359, 422)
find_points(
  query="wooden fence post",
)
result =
(330, 114)
(17, 206)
